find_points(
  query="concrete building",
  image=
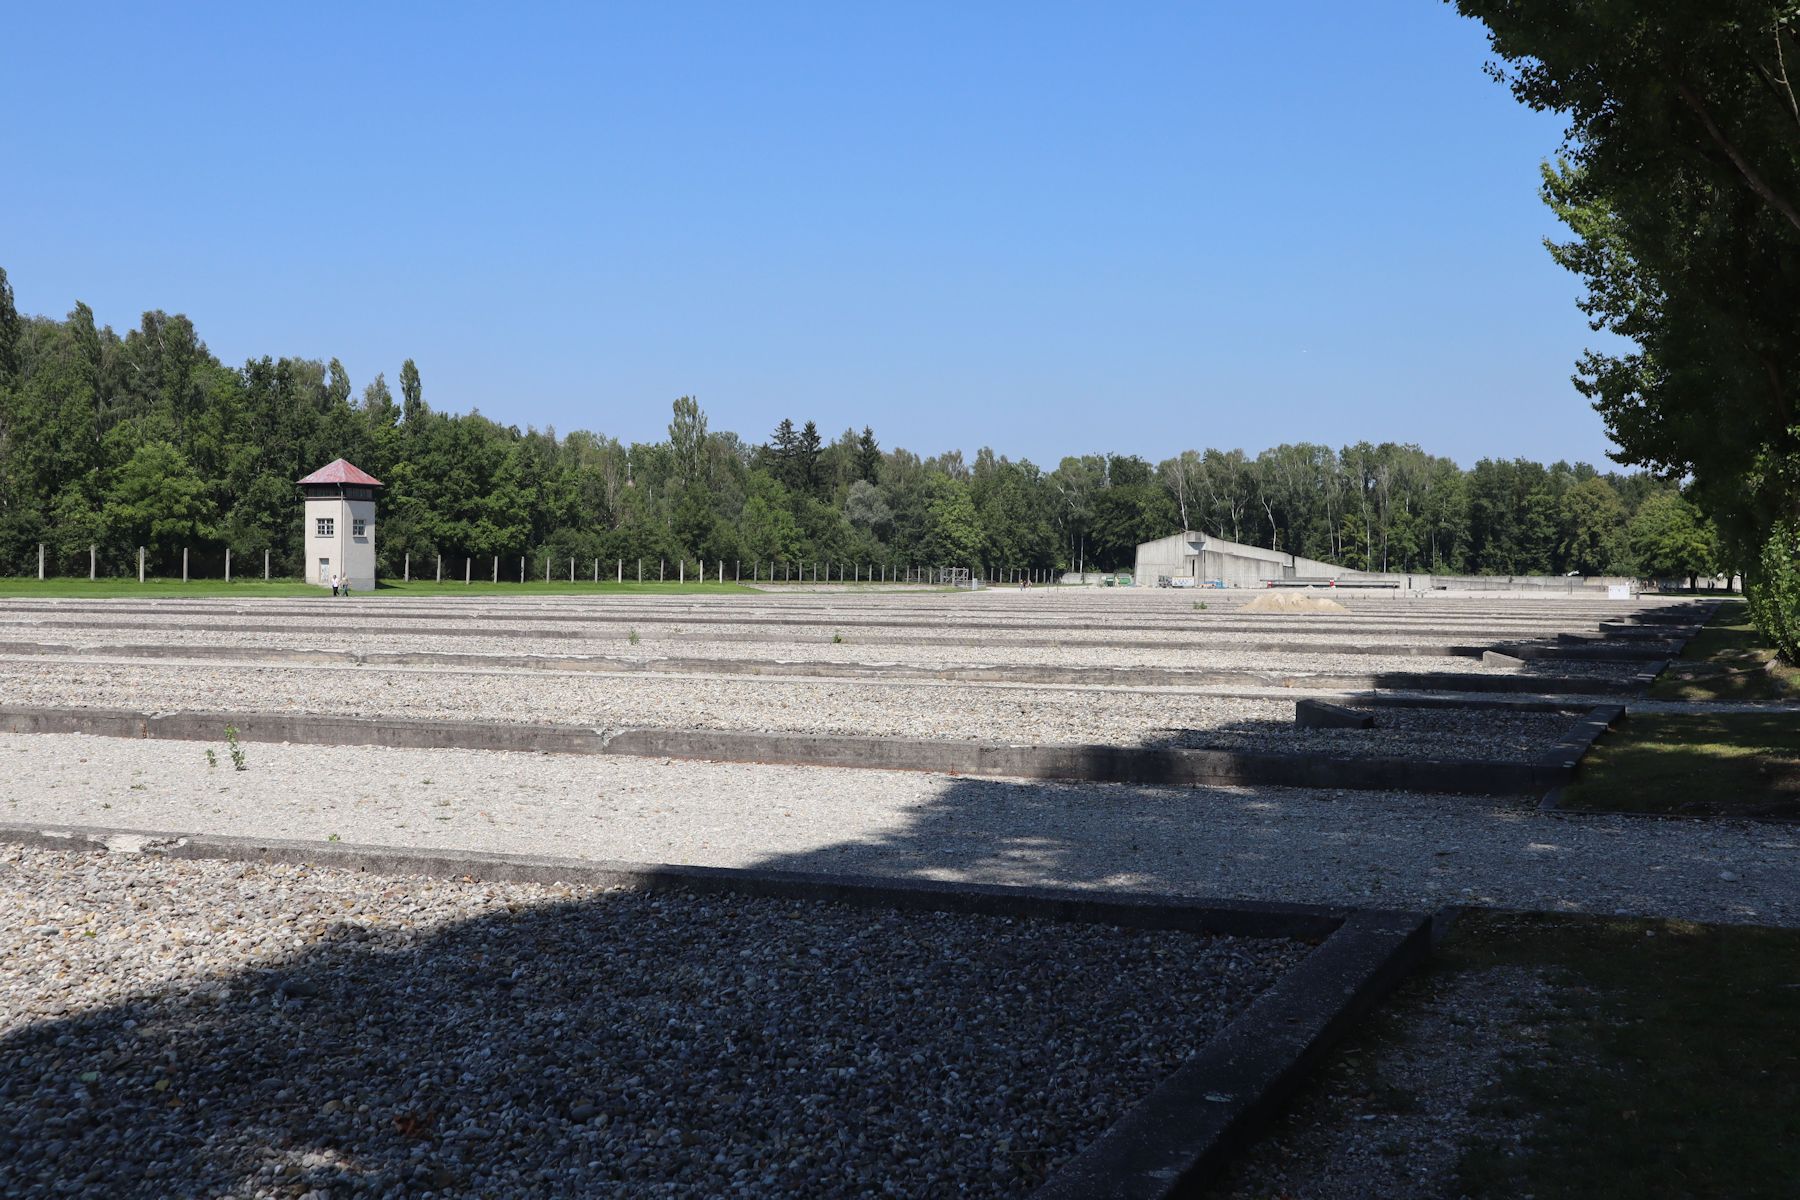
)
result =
(340, 525)
(1204, 559)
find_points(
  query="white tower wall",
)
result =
(336, 545)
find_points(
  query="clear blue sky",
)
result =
(1051, 228)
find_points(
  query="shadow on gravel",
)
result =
(611, 1045)
(1400, 733)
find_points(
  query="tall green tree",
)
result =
(412, 393)
(1669, 539)
(1681, 185)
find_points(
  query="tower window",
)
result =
(327, 526)
(359, 528)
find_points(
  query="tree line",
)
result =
(149, 440)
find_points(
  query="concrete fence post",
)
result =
(406, 571)
(93, 560)
(621, 570)
(737, 570)
(468, 571)
(440, 568)
(521, 568)
(265, 566)
(640, 570)
(683, 578)
(662, 570)
(184, 554)
(140, 564)
(228, 564)
(40, 561)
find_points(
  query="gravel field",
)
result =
(1402, 850)
(1034, 715)
(204, 1028)
(1234, 653)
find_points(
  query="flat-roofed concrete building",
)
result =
(1203, 558)
(340, 525)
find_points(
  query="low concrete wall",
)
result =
(1126, 909)
(1092, 764)
(1180, 1137)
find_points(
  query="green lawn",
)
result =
(1726, 764)
(1674, 1068)
(1728, 660)
(250, 588)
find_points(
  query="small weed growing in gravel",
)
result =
(1199, 606)
(632, 637)
(238, 761)
(332, 838)
(837, 639)
(212, 760)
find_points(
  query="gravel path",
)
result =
(1356, 848)
(921, 710)
(205, 1028)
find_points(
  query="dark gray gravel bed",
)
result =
(1487, 734)
(174, 1028)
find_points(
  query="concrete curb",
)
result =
(1180, 1137)
(1171, 1142)
(1128, 910)
(1568, 685)
(1567, 754)
(1081, 764)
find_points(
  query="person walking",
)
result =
(334, 583)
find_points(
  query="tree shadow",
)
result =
(1400, 733)
(615, 1043)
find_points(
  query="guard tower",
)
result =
(340, 525)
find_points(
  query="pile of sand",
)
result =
(1305, 600)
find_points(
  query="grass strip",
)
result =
(1728, 660)
(1717, 765)
(1674, 1064)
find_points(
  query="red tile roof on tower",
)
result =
(340, 471)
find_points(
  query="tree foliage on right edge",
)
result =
(1681, 183)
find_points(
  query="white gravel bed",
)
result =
(219, 1029)
(1192, 657)
(1353, 848)
(863, 708)
(668, 626)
